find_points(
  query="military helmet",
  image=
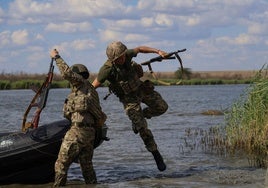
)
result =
(80, 69)
(115, 49)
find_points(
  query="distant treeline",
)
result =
(26, 81)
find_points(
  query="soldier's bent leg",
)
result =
(151, 146)
(148, 139)
(159, 160)
(156, 105)
(140, 126)
(134, 112)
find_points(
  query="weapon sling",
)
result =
(159, 59)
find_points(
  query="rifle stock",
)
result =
(44, 93)
(39, 100)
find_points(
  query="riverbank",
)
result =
(26, 81)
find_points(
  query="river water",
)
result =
(124, 162)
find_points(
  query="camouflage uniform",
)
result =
(131, 91)
(82, 108)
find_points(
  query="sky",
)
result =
(219, 35)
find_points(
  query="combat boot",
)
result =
(159, 160)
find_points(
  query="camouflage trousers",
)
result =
(155, 107)
(77, 144)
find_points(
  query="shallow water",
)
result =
(124, 162)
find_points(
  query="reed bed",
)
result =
(23, 80)
(28, 84)
(247, 122)
(211, 141)
(245, 129)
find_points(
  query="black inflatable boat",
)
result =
(30, 157)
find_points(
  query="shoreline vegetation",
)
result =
(27, 81)
(245, 129)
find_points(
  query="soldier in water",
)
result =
(83, 109)
(124, 76)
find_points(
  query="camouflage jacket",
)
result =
(82, 104)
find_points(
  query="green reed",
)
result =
(245, 129)
(247, 122)
(28, 84)
(196, 81)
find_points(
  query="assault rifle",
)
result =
(160, 58)
(39, 101)
(168, 56)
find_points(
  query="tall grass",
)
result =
(247, 122)
(27, 84)
(201, 81)
(245, 129)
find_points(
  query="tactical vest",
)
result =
(124, 80)
(81, 101)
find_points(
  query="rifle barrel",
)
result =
(160, 58)
(146, 63)
(183, 50)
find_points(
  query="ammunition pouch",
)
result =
(125, 87)
(116, 90)
(147, 87)
(127, 80)
(75, 103)
(130, 86)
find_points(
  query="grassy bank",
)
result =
(27, 84)
(25, 81)
(205, 81)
